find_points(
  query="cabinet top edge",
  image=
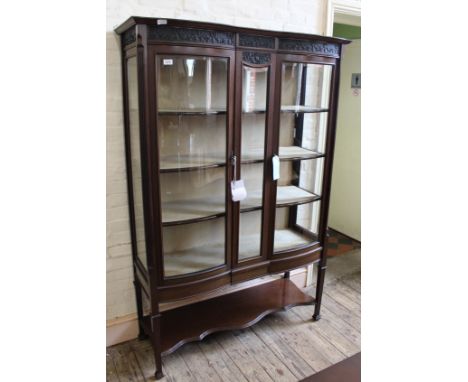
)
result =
(137, 20)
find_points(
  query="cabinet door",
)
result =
(301, 142)
(192, 93)
(254, 70)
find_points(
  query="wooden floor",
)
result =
(285, 346)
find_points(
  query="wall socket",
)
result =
(356, 81)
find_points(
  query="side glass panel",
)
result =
(253, 125)
(134, 127)
(192, 126)
(302, 136)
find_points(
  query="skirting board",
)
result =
(125, 328)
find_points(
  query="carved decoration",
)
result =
(129, 37)
(310, 46)
(256, 58)
(256, 41)
(167, 33)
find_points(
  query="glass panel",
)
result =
(192, 125)
(302, 135)
(187, 195)
(302, 86)
(252, 174)
(187, 141)
(250, 226)
(303, 124)
(304, 102)
(192, 84)
(190, 248)
(253, 125)
(296, 226)
(134, 127)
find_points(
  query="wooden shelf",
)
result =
(302, 109)
(253, 155)
(194, 111)
(288, 239)
(212, 206)
(296, 152)
(254, 111)
(291, 195)
(285, 196)
(256, 155)
(239, 309)
(194, 259)
(190, 163)
(193, 210)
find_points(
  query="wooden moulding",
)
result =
(228, 312)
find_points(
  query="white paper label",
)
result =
(276, 167)
(167, 61)
(161, 22)
(238, 191)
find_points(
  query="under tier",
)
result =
(239, 310)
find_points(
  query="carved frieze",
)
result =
(129, 37)
(174, 34)
(319, 47)
(256, 58)
(256, 41)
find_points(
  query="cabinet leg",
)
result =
(141, 331)
(287, 275)
(319, 291)
(156, 342)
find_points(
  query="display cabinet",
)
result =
(229, 145)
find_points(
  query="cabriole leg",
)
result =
(156, 342)
(319, 291)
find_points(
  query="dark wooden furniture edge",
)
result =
(232, 311)
(348, 370)
(134, 20)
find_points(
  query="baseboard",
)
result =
(121, 329)
(343, 234)
(125, 328)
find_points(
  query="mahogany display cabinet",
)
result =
(213, 114)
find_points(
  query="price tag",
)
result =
(161, 22)
(238, 191)
(276, 167)
(167, 61)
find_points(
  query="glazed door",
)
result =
(254, 89)
(303, 118)
(194, 120)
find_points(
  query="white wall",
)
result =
(345, 203)
(291, 15)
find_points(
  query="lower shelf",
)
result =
(287, 238)
(212, 255)
(228, 312)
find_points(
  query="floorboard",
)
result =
(286, 346)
